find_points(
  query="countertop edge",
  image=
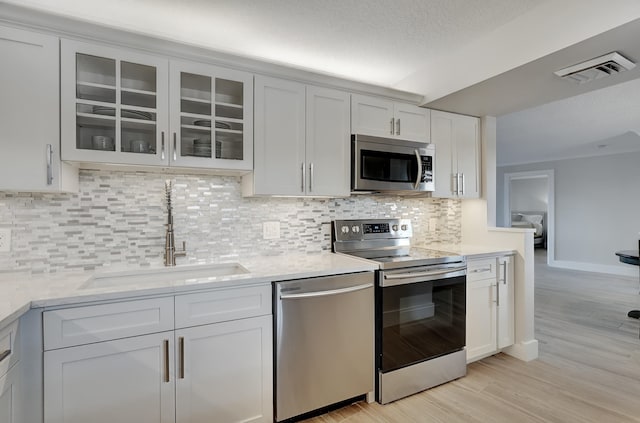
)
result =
(74, 295)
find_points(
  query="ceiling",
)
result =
(481, 57)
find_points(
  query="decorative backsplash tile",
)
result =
(119, 217)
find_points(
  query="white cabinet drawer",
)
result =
(222, 305)
(482, 269)
(84, 325)
(8, 354)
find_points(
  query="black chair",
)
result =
(636, 313)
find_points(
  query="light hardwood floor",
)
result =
(588, 368)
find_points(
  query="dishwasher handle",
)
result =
(326, 293)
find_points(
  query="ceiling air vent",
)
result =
(600, 67)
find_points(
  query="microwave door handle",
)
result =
(419, 173)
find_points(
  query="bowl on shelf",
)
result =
(140, 146)
(102, 142)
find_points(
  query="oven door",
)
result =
(380, 164)
(420, 314)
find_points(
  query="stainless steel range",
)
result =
(420, 306)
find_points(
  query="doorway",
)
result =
(528, 195)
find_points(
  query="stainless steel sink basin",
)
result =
(203, 273)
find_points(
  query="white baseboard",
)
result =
(631, 271)
(525, 351)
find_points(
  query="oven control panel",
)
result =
(354, 230)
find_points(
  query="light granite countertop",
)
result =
(21, 291)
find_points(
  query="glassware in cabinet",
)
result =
(212, 117)
(118, 110)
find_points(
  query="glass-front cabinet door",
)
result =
(211, 117)
(114, 105)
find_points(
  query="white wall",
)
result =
(528, 194)
(597, 206)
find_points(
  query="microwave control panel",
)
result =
(427, 169)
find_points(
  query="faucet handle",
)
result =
(183, 252)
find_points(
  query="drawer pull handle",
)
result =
(486, 269)
(4, 355)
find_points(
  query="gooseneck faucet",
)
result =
(170, 252)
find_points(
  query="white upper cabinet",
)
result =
(29, 114)
(301, 140)
(211, 117)
(114, 105)
(457, 163)
(125, 107)
(385, 118)
(328, 142)
(279, 138)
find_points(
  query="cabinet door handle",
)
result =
(49, 164)
(484, 269)
(397, 126)
(454, 179)
(181, 352)
(162, 156)
(462, 184)
(392, 128)
(310, 177)
(498, 294)
(4, 354)
(304, 176)
(166, 360)
(504, 272)
(175, 148)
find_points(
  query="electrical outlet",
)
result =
(271, 230)
(5, 240)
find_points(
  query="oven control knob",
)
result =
(403, 227)
(355, 229)
(395, 228)
(345, 229)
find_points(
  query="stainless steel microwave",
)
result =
(390, 165)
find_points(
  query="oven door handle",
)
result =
(424, 274)
(327, 292)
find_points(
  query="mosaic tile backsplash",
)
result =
(119, 217)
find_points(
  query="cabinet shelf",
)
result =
(84, 84)
(88, 119)
(229, 131)
(203, 129)
(135, 91)
(196, 100)
(230, 105)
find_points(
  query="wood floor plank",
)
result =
(588, 369)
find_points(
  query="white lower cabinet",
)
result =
(490, 306)
(125, 380)
(9, 388)
(224, 372)
(219, 370)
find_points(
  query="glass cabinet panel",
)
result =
(212, 118)
(96, 98)
(118, 112)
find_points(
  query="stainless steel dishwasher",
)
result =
(324, 329)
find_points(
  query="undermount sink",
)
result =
(203, 272)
